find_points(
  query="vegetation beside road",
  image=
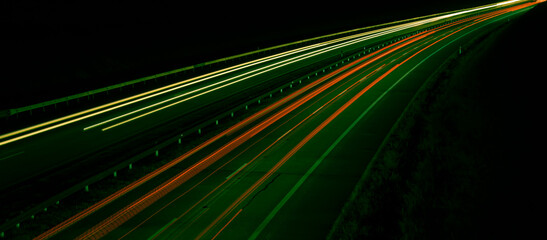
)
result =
(430, 177)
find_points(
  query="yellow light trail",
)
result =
(207, 76)
(268, 68)
(142, 95)
(40, 128)
(368, 34)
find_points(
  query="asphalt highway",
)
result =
(284, 172)
(50, 157)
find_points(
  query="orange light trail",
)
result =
(258, 183)
(258, 155)
(196, 168)
(123, 215)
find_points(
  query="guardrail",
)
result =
(88, 94)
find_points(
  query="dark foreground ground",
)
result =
(464, 161)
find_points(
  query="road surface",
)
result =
(286, 171)
(48, 158)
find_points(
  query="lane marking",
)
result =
(12, 155)
(239, 169)
(161, 229)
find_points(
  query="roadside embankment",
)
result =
(463, 160)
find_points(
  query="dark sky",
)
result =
(82, 45)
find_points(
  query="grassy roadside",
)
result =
(427, 180)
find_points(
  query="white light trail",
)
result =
(40, 128)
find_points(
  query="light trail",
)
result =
(353, 85)
(172, 163)
(250, 119)
(265, 69)
(138, 96)
(116, 195)
(227, 224)
(273, 67)
(258, 183)
(313, 133)
(298, 58)
(270, 216)
(256, 156)
(146, 95)
(234, 205)
(146, 200)
(207, 76)
(309, 116)
(214, 84)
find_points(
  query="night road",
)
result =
(283, 171)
